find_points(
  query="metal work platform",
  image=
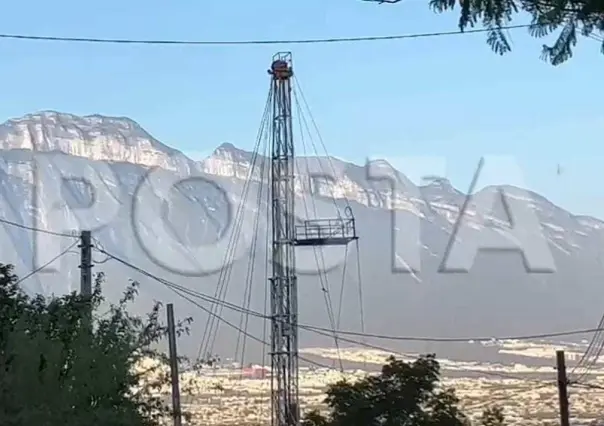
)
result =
(326, 232)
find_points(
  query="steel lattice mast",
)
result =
(284, 339)
(286, 236)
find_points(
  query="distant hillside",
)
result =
(497, 297)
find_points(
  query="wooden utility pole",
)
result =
(562, 389)
(86, 264)
(86, 274)
(176, 409)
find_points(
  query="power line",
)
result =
(587, 385)
(327, 332)
(35, 271)
(251, 42)
(99, 245)
(363, 344)
(462, 339)
(345, 332)
(404, 355)
(31, 228)
(180, 292)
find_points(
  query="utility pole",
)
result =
(176, 410)
(86, 264)
(562, 388)
(86, 274)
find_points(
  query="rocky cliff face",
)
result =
(121, 140)
(497, 296)
(94, 137)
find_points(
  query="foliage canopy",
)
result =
(569, 18)
(403, 393)
(57, 368)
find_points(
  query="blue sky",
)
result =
(446, 97)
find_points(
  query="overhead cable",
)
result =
(463, 339)
(237, 308)
(34, 229)
(47, 264)
(251, 42)
(212, 327)
(587, 385)
(406, 355)
(327, 332)
(590, 356)
(203, 308)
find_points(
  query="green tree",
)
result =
(403, 393)
(57, 369)
(569, 18)
(493, 416)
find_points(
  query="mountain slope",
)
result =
(184, 237)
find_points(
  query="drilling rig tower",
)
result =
(286, 235)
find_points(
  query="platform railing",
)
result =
(318, 229)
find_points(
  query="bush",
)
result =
(60, 367)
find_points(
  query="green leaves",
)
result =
(403, 394)
(561, 51)
(493, 417)
(56, 370)
(566, 17)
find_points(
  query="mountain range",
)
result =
(118, 168)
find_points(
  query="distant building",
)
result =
(255, 372)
